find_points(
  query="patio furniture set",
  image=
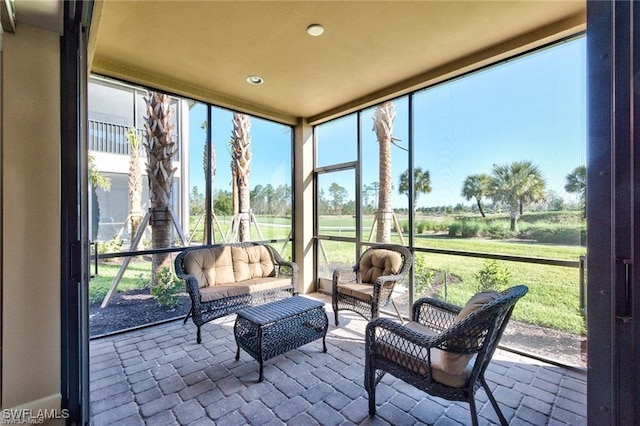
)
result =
(444, 350)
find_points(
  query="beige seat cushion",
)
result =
(414, 358)
(379, 262)
(254, 285)
(455, 363)
(359, 291)
(252, 262)
(210, 266)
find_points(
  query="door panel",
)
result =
(612, 209)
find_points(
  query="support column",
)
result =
(303, 206)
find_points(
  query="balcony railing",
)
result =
(111, 138)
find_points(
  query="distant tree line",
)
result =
(265, 200)
(510, 187)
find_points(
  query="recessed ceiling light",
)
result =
(315, 30)
(254, 79)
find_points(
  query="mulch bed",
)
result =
(131, 309)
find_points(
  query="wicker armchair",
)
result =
(369, 284)
(444, 351)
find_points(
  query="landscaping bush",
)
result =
(500, 231)
(423, 277)
(556, 234)
(471, 229)
(168, 287)
(455, 229)
(492, 276)
(111, 246)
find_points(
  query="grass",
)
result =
(552, 301)
(136, 276)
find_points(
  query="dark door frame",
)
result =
(613, 206)
(74, 249)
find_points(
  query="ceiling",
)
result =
(369, 51)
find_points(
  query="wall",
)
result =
(31, 219)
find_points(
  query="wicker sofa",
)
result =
(224, 278)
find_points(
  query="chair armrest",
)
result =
(284, 267)
(193, 288)
(340, 274)
(434, 313)
(290, 268)
(399, 330)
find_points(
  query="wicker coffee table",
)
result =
(268, 330)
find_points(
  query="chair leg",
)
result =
(393, 302)
(188, 315)
(472, 409)
(335, 313)
(372, 402)
(370, 387)
(198, 337)
(494, 403)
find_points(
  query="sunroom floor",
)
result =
(160, 376)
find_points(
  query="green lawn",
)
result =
(552, 301)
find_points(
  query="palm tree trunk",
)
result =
(135, 183)
(383, 126)
(480, 207)
(160, 149)
(209, 160)
(241, 164)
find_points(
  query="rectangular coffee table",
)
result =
(268, 330)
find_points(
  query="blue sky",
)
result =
(531, 108)
(268, 140)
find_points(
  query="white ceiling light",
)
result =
(315, 30)
(254, 79)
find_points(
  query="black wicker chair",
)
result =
(369, 284)
(444, 351)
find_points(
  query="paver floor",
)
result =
(160, 376)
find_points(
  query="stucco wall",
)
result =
(31, 219)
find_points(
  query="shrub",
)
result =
(500, 231)
(167, 288)
(455, 229)
(556, 234)
(471, 229)
(492, 276)
(423, 276)
(97, 292)
(111, 246)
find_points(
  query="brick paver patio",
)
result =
(161, 376)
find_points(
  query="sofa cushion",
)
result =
(252, 262)
(247, 287)
(414, 358)
(210, 266)
(379, 262)
(222, 291)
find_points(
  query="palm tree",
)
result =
(241, 169)
(135, 181)
(534, 188)
(383, 126)
(160, 148)
(577, 184)
(208, 157)
(97, 180)
(421, 184)
(476, 186)
(516, 185)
